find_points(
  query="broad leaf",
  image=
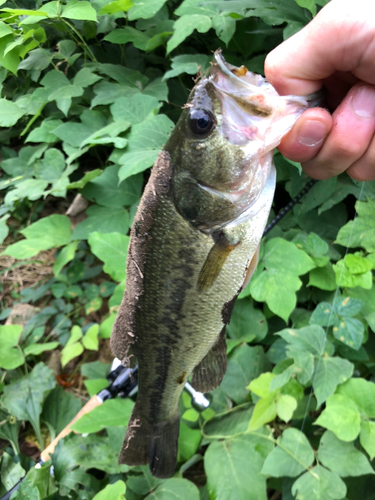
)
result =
(49, 232)
(361, 231)
(319, 484)
(277, 284)
(342, 458)
(24, 397)
(10, 353)
(111, 413)
(330, 372)
(105, 190)
(115, 491)
(103, 220)
(292, 455)
(185, 25)
(112, 249)
(233, 468)
(340, 416)
(174, 488)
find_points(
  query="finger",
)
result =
(352, 132)
(339, 38)
(364, 168)
(307, 136)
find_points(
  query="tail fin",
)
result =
(136, 446)
(155, 445)
(163, 451)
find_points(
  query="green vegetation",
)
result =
(90, 91)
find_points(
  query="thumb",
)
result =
(337, 39)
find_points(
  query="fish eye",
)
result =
(201, 122)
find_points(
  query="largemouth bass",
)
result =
(194, 246)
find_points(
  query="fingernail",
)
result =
(311, 133)
(363, 102)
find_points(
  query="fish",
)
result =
(194, 246)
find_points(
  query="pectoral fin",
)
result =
(214, 262)
(251, 269)
(211, 370)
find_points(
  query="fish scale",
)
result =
(193, 247)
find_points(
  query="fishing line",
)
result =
(289, 206)
(329, 321)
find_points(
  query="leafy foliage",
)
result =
(89, 93)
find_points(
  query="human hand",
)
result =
(336, 50)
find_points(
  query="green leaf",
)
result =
(342, 458)
(60, 408)
(348, 306)
(285, 407)
(103, 220)
(10, 113)
(134, 163)
(134, 109)
(112, 249)
(107, 325)
(292, 455)
(188, 442)
(24, 397)
(174, 488)
(264, 412)
(324, 315)
(278, 283)
(145, 10)
(80, 10)
(70, 352)
(261, 386)
(9, 430)
(233, 468)
(361, 232)
(345, 278)
(246, 320)
(350, 331)
(37, 349)
(151, 134)
(323, 278)
(90, 176)
(330, 372)
(10, 353)
(367, 437)
(94, 370)
(184, 27)
(96, 385)
(46, 233)
(90, 339)
(4, 229)
(66, 255)
(227, 424)
(187, 63)
(44, 132)
(129, 34)
(225, 27)
(85, 78)
(357, 264)
(111, 413)
(115, 491)
(310, 339)
(106, 190)
(319, 484)
(245, 364)
(11, 472)
(340, 416)
(362, 392)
